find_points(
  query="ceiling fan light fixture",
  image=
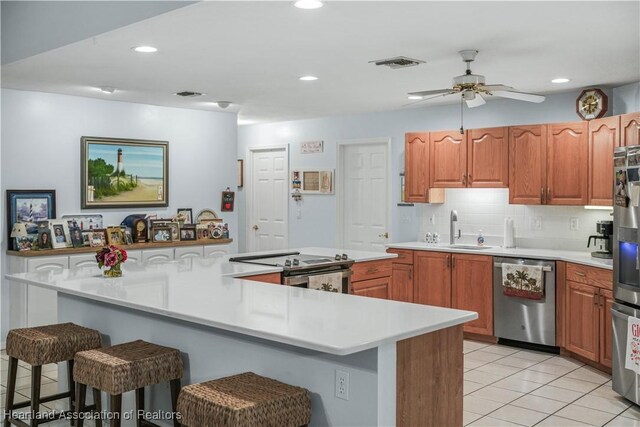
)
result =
(144, 49)
(223, 104)
(560, 80)
(308, 4)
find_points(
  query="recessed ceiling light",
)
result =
(223, 104)
(560, 80)
(308, 78)
(308, 4)
(416, 97)
(145, 49)
(107, 89)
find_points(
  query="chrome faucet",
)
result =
(452, 227)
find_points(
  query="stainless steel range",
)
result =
(298, 269)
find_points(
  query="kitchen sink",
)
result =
(470, 247)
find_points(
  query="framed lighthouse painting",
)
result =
(123, 173)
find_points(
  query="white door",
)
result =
(268, 202)
(364, 196)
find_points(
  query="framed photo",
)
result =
(115, 236)
(86, 238)
(128, 238)
(202, 231)
(175, 231)
(312, 181)
(187, 213)
(188, 233)
(161, 234)
(60, 234)
(77, 240)
(84, 222)
(27, 243)
(97, 238)
(123, 173)
(44, 238)
(29, 206)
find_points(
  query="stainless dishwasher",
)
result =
(522, 319)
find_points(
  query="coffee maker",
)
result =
(605, 236)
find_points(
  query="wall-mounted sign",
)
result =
(228, 199)
(311, 147)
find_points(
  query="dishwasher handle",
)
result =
(544, 267)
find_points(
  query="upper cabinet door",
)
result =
(416, 167)
(488, 161)
(448, 159)
(604, 136)
(630, 129)
(567, 163)
(527, 164)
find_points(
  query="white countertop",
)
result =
(578, 257)
(208, 292)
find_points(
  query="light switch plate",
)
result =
(574, 224)
(536, 223)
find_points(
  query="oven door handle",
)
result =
(304, 279)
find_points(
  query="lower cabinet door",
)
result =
(157, 255)
(215, 251)
(606, 328)
(402, 282)
(432, 278)
(472, 289)
(375, 288)
(189, 252)
(83, 260)
(583, 320)
(42, 304)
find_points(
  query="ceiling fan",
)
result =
(473, 89)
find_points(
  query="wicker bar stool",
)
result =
(40, 346)
(244, 400)
(127, 367)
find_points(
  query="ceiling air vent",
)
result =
(188, 94)
(398, 62)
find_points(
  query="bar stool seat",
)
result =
(39, 346)
(245, 399)
(127, 367)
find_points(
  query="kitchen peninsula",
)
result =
(404, 361)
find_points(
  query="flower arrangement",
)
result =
(111, 257)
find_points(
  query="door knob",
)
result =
(385, 235)
(255, 227)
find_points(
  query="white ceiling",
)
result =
(252, 53)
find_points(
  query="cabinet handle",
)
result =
(372, 270)
(596, 300)
(580, 273)
(542, 195)
(470, 179)
(464, 179)
(548, 195)
(448, 261)
(453, 261)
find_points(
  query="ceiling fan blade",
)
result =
(496, 87)
(429, 98)
(520, 96)
(476, 102)
(430, 92)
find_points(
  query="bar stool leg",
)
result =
(72, 388)
(36, 381)
(139, 406)
(11, 389)
(175, 390)
(97, 400)
(81, 392)
(116, 409)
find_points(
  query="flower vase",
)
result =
(114, 271)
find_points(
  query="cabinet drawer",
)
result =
(371, 270)
(374, 288)
(405, 256)
(266, 278)
(590, 275)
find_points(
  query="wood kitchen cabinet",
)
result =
(432, 284)
(448, 162)
(488, 157)
(630, 129)
(416, 167)
(402, 282)
(604, 136)
(567, 145)
(472, 289)
(273, 278)
(588, 323)
(374, 288)
(372, 278)
(527, 164)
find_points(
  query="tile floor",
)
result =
(503, 386)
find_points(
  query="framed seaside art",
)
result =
(124, 173)
(29, 206)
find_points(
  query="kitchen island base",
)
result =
(416, 381)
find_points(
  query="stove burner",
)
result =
(317, 261)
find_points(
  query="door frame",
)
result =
(249, 197)
(340, 172)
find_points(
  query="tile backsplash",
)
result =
(486, 209)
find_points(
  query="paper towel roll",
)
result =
(509, 233)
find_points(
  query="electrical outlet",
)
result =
(342, 385)
(574, 224)
(536, 223)
(432, 219)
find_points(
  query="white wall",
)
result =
(626, 99)
(405, 221)
(41, 150)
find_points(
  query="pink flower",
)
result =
(111, 259)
